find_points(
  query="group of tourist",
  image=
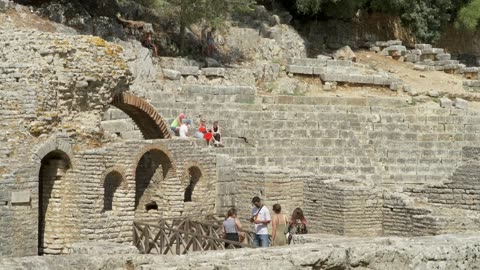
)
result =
(213, 136)
(283, 228)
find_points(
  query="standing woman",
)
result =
(231, 227)
(298, 224)
(279, 226)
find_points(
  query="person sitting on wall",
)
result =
(217, 135)
(297, 225)
(183, 131)
(203, 132)
(148, 43)
(175, 125)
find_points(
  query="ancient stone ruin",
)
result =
(86, 150)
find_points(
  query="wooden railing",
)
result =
(183, 235)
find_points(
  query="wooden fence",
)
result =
(183, 235)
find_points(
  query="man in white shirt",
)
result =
(260, 216)
(184, 129)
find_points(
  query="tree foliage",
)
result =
(469, 15)
(188, 12)
(426, 18)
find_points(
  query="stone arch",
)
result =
(191, 178)
(113, 179)
(53, 188)
(144, 115)
(154, 165)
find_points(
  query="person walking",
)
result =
(279, 226)
(231, 227)
(260, 216)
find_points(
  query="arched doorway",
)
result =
(194, 174)
(153, 168)
(52, 189)
(144, 115)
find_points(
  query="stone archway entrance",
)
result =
(143, 114)
(153, 169)
(53, 185)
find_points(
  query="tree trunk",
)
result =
(183, 26)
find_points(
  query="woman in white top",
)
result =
(184, 128)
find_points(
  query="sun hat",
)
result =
(182, 115)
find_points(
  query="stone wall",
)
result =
(320, 252)
(273, 185)
(74, 194)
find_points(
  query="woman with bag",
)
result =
(279, 227)
(231, 227)
(298, 224)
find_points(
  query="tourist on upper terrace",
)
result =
(204, 132)
(175, 125)
(183, 132)
(298, 224)
(260, 216)
(232, 227)
(279, 226)
(210, 43)
(217, 135)
(148, 43)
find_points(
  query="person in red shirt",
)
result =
(207, 133)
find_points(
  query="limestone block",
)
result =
(345, 53)
(443, 56)
(319, 70)
(339, 63)
(172, 74)
(471, 83)
(396, 48)
(433, 93)
(187, 70)
(363, 79)
(310, 62)
(445, 62)
(219, 72)
(324, 57)
(433, 51)
(415, 51)
(423, 46)
(412, 58)
(394, 42)
(4, 197)
(375, 49)
(23, 196)
(300, 69)
(335, 77)
(381, 80)
(461, 103)
(446, 103)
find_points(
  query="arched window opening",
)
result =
(112, 181)
(53, 171)
(194, 175)
(152, 169)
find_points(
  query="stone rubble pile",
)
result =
(427, 58)
(343, 71)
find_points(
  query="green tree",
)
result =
(188, 12)
(469, 15)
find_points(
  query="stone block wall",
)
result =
(272, 185)
(343, 207)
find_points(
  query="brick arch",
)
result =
(143, 114)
